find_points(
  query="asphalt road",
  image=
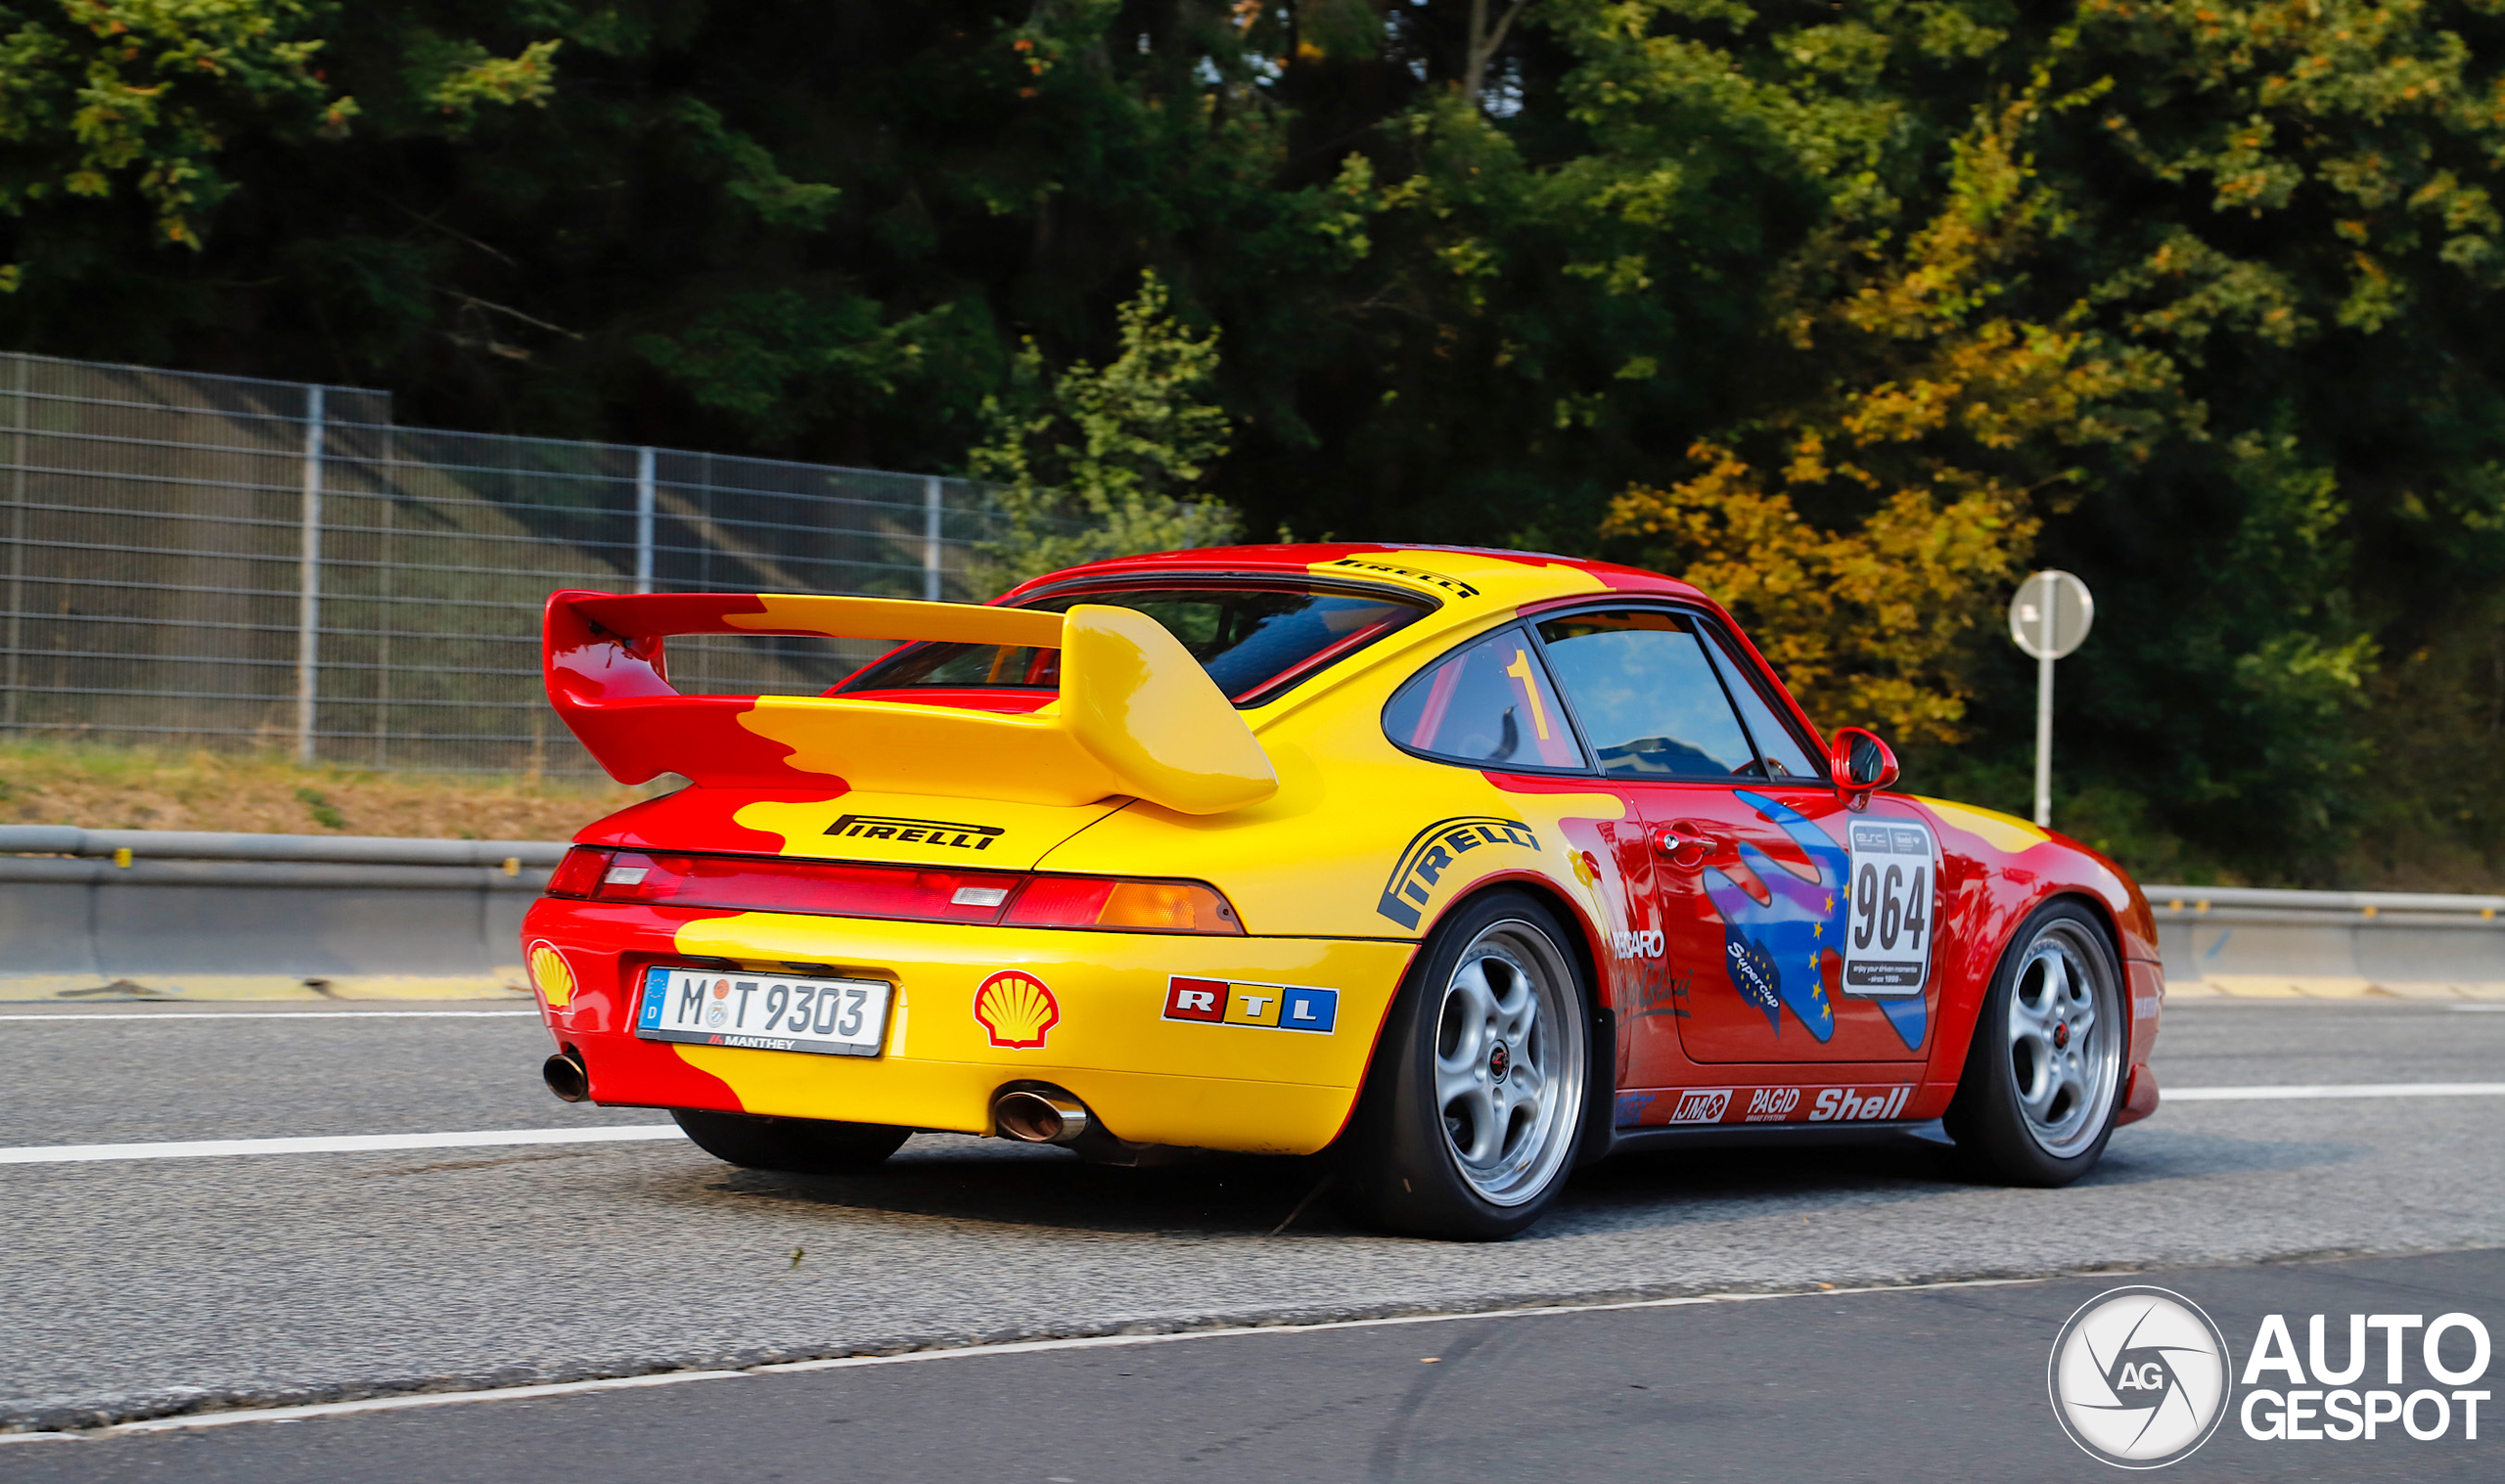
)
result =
(1935, 1384)
(140, 1289)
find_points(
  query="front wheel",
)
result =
(2043, 1080)
(794, 1146)
(1475, 1099)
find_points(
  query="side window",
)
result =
(1487, 705)
(1778, 749)
(1647, 695)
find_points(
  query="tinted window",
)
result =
(1249, 639)
(1490, 705)
(1777, 747)
(1647, 695)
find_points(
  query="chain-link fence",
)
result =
(219, 562)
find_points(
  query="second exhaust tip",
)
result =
(566, 1077)
(1039, 1117)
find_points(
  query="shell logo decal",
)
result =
(1016, 1009)
(549, 971)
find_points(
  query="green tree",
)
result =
(1829, 302)
(1111, 461)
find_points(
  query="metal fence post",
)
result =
(308, 601)
(17, 558)
(644, 519)
(930, 539)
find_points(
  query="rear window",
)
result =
(1253, 641)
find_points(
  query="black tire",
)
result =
(2034, 1107)
(794, 1146)
(1402, 1164)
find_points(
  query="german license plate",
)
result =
(705, 1007)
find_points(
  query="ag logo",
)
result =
(2139, 1377)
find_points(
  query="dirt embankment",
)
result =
(146, 788)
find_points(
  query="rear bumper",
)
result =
(1147, 1078)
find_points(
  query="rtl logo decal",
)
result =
(1227, 1002)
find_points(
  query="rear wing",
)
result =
(1136, 715)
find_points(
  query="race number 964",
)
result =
(1888, 922)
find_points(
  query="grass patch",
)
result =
(169, 789)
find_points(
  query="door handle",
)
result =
(1684, 843)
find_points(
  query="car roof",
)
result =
(1464, 579)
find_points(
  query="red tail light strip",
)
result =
(840, 888)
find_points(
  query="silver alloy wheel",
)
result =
(1509, 1062)
(2064, 1039)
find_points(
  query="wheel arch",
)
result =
(1957, 1035)
(1583, 941)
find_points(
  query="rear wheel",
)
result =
(2043, 1080)
(796, 1145)
(1475, 1099)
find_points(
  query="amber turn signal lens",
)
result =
(1080, 901)
(1174, 906)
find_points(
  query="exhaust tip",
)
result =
(1039, 1116)
(567, 1076)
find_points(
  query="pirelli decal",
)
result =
(909, 832)
(1436, 580)
(1434, 852)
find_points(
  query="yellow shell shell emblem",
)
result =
(1016, 1009)
(548, 970)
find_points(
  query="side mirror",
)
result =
(1860, 764)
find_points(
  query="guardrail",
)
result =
(116, 913)
(2257, 942)
(110, 913)
(124, 846)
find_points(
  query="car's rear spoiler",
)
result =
(1137, 715)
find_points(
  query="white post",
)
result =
(930, 539)
(2044, 637)
(309, 586)
(644, 519)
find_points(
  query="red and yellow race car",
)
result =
(1470, 865)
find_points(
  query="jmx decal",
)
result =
(910, 832)
(1702, 1104)
(1230, 1002)
(1434, 851)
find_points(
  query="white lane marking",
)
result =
(283, 1014)
(2168, 1095)
(358, 1144)
(340, 1144)
(978, 1352)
